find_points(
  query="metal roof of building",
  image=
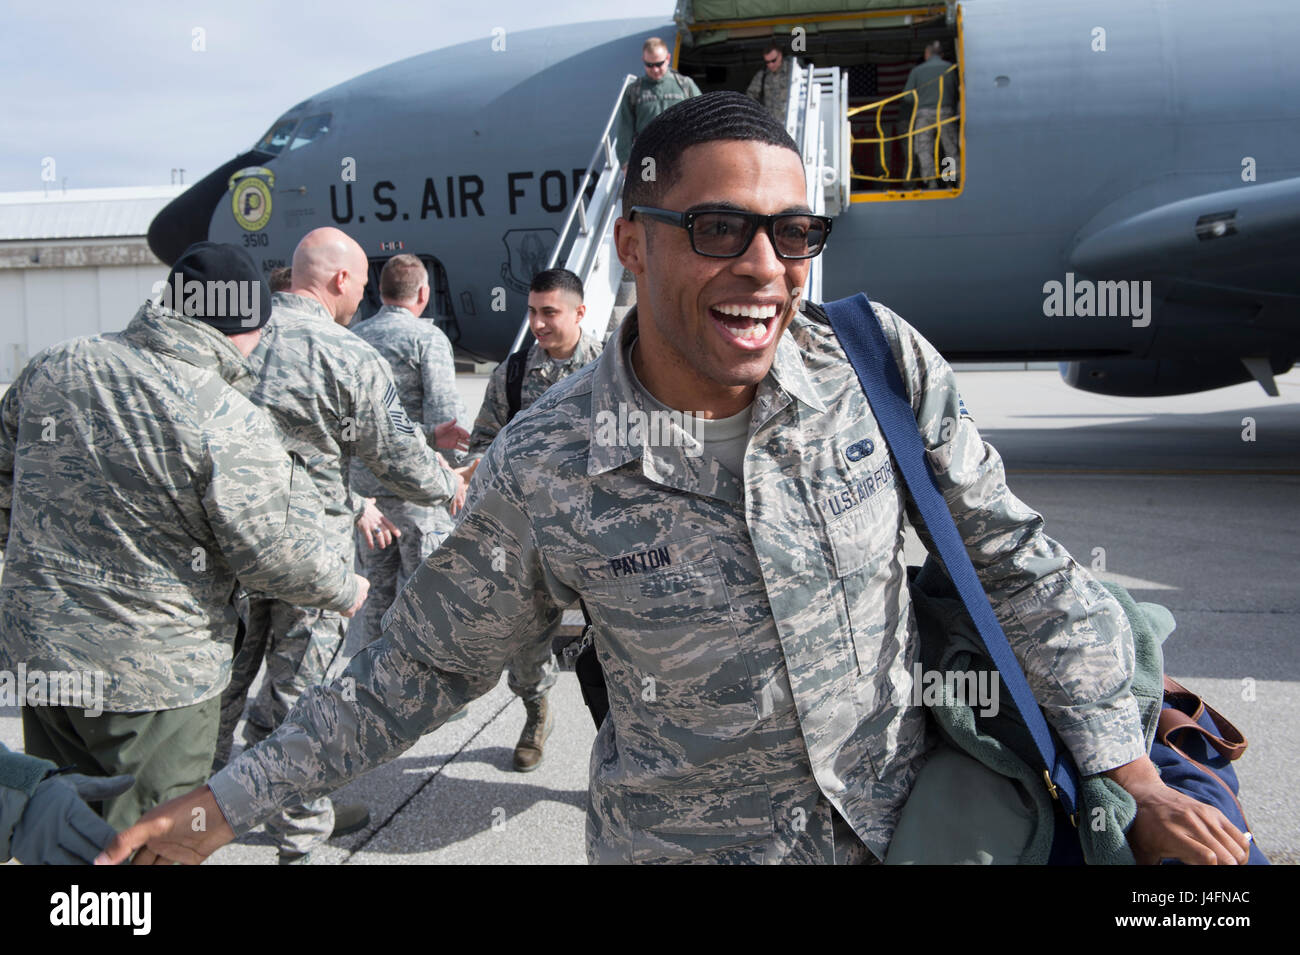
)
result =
(82, 213)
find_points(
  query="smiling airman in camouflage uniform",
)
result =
(757, 644)
(561, 348)
(752, 619)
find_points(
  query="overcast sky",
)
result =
(117, 95)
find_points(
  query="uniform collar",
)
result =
(678, 462)
(301, 303)
(396, 310)
(586, 350)
(189, 340)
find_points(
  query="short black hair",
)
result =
(553, 280)
(692, 122)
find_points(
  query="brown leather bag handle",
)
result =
(1230, 745)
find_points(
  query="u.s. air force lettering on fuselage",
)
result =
(458, 196)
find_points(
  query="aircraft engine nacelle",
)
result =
(1141, 378)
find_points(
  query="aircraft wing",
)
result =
(1245, 239)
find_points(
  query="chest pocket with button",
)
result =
(861, 504)
(666, 638)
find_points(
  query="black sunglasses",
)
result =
(727, 233)
(654, 65)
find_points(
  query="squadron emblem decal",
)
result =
(250, 198)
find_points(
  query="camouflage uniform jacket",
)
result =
(424, 371)
(541, 371)
(772, 90)
(645, 99)
(756, 635)
(334, 400)
(136, 484)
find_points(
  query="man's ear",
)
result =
(339, 280)
(581, 311)
(629, 240)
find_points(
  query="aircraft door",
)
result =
(440, 307)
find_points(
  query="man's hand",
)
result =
(363, 590)
(1172, 825)
(377, 529)
(450, 436)
(185, 830)
(462, 488)
(467, 472)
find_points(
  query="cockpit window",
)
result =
(312, 128)
(277, 136)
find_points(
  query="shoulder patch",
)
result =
(396, 413)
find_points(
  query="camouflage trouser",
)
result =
(530, 673)
(167, 751)
(849, 849)
(925, 142)
(302, 647)
(389, 568)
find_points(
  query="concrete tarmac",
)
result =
(1189, 501)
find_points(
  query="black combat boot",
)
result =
(528, 751)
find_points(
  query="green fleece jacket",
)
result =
(958, 811)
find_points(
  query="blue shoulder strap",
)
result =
(855, 324)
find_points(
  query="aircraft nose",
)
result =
(185, 219)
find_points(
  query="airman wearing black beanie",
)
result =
(200, 286)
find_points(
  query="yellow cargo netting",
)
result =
(912, 130)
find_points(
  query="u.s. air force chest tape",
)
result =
(860, 504)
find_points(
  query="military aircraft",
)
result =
(1125, 198)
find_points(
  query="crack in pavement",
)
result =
(429, 779)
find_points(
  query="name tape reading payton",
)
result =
(80, 689)
(640, 562)
(211, 298)
(74, 908)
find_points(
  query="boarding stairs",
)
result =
(586, 242)
(817, 119)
